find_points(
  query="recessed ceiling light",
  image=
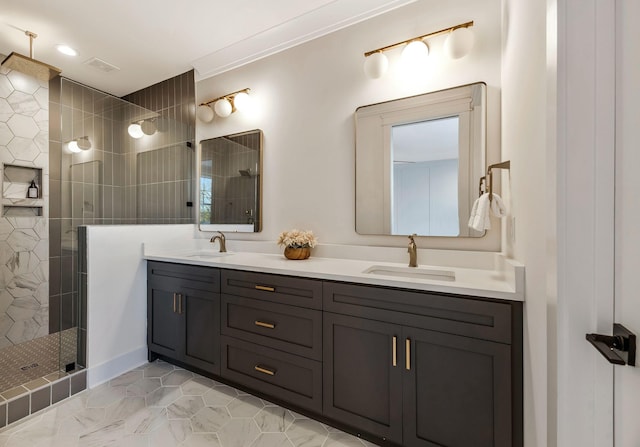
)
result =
(65, 49)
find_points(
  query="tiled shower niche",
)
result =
(16, 184)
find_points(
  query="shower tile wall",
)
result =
(100, 186)
(161, 188)
(86, 187)
(234, 194)
(24, 245)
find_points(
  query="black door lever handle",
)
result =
(619, 348)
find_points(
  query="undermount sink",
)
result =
(412, 272)
(206, 254)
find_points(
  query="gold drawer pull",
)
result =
(395, 351)
(174, 303)
(263, 324)
(264, 370)
(266, 288)
(408, 354)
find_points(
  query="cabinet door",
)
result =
(456, 391)
(362, 387)
(201, 318)
(163, 331)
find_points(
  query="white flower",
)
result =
(297, 239)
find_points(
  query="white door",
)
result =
(627, 232)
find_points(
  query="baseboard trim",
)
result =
(97, 375)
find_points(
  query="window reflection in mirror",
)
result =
(418, 163)
(230, 183)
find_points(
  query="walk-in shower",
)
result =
(116, 180)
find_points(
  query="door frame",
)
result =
(585, 218)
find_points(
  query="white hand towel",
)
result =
(479, 219)
(497, 206)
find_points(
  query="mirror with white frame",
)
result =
(419, 161)
(230, 183)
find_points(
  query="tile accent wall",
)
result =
(234, 176)
(120, 180)
(164, 186)
(24, 232)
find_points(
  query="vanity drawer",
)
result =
(286, 377)
(274, 288)
(190, 276)
(455, 314)
(287, 328)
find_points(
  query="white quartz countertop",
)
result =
(490, 275)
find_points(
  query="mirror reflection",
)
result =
(418, 162)
(230, 183)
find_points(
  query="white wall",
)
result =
(528, 105)
(305, 98)
(117, 295)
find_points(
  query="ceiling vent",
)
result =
(101, 65)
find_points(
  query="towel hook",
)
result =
(502, 165)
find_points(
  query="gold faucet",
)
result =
(221, 239)
(413, 252)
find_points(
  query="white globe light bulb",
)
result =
(205, 113)
(459, 43)
(135, 131)
(223, 107)
(148, 127)
(375, 65)
(415, 51)
(73, 147)
(83, 143)
(241, 101)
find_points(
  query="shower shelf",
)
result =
(27, 203)
(15, 184)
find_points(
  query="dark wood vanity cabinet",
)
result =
(423, 369)
(401, 367)
(272, 336)
(183, 314)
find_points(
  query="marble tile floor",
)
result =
(158, 405)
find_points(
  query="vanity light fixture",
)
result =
(458, 44)
(224, 105)
(141, 128)
(135, 130)
(79, 144)
(148, 127)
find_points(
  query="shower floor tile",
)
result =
(34, 359)
(196, 412)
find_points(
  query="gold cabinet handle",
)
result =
(265, 325)
(180, 303)
(174, 303)
(395, 351)
(265, 288)
(408, 354)
(263, 370)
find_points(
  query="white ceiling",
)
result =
(150, 41)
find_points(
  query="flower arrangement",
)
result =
(297, 239)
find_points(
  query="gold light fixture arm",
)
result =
(404, 42)
(31, 37)
(228, 96)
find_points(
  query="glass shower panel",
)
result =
(136, 168)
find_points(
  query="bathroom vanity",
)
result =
(396, 365)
